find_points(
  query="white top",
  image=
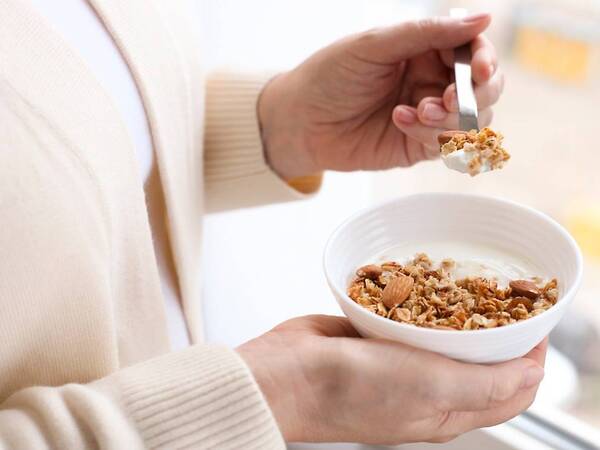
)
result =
(81, 27)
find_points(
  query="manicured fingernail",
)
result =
(432, 111)
(475, 17)
(532, 377)
(405, 115)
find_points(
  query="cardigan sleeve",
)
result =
(202, 397)
(236, 174)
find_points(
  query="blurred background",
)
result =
(263, 265)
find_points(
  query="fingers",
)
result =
(443, 439)
(320, 324)
(464, 421)
(422, 130)
(393, 44)
(494, 393)
(473, 387)
(422, 91)
(406, 120)
(484, 60)
(435, 115)
(486, 94)
(432, 112)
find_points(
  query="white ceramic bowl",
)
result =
(508, 226)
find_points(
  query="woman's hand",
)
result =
(375, 100)
(324, 384)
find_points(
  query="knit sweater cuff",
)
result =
(236, 173)
(201, 397)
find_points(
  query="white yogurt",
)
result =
(459, 160)
(472, 260)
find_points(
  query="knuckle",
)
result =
(445, 421)
(443, 439)
(427, 23)
(432, 393)
(443, 402)
(423, 28)
(368, 36)
(498, 392)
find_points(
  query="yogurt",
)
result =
(472, 260)
(459, 160)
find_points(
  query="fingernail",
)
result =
(532, 376)
(432, 111)
(406, 115)
(475, 17)
(491, 69)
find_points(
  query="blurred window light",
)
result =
(557, 39)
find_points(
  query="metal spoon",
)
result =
(467, 104)
(465, 95)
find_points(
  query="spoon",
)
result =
(467, 104)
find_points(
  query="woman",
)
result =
(113, 146)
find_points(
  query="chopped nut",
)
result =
(372, 289)
(525, 288)
(447, 264)
(446, 136)
(527, 303)
(403, 315)
(520, 312)
(371, 271)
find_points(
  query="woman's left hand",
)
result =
(375, 100)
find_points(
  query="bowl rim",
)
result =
(567, 297)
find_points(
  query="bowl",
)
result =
(429, 217)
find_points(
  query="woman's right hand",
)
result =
(325, 384)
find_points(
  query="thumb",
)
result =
(321, 325)
(393, 44)
(480, 387)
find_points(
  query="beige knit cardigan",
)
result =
(84, 352)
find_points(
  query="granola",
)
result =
(434, 299)
(473, 152)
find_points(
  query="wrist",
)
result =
(281, 128)
(292, 378)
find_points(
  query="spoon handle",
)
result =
(467, 104)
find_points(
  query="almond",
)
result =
(371, 271)
(446, 136)
(524, 288)
(397, 290)
(527, 303)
